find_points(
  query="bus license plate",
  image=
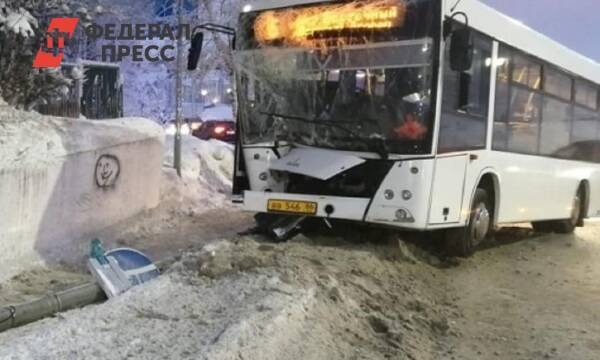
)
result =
(292, 207)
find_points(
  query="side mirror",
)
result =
(461, 49)
(195, 51)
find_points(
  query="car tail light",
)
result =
(219, 129)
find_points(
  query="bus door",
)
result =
(462, 131)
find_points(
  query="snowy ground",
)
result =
(525, 297)
(242, 299)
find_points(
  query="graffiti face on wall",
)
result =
(108, 169)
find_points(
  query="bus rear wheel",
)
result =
(563, 226)
(463, 241)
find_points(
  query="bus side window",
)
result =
(465, 101)
(520, 104)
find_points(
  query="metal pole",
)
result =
(14, 316)
(178, 94)
(76, 297)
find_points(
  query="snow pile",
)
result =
(207, 172)
(29, 137)
(185, 316)
(242, 299)
(211, 161)
(194, 321)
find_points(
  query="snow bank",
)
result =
(185, 316)
(64, 178)
(207, 172)
(241, 299)
(36, 139)
(194, 321)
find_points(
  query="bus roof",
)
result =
(516, 34)
(495, 24)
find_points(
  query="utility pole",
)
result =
(179, 93)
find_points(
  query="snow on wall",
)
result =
(61, 179)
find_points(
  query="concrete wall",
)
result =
(48, 207)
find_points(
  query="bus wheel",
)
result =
(563, 226)
(463, 241)
(568, 226)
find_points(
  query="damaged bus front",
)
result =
(336, 109)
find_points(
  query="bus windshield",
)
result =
(337, 89)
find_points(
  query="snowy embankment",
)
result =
(207, 170)
(240, 299)
(64, 178)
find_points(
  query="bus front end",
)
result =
(336, 104)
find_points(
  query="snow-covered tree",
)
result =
(222, 12)
(23, 24)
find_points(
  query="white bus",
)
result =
(415, 114)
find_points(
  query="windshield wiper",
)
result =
(376, 144)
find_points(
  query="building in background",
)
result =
(96, 92)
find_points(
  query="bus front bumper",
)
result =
(326, 206)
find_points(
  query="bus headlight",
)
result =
(388, 194)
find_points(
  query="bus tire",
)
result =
(563, 226)
(463, 241)
(568, 226)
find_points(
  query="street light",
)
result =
(178, 95)
(194, 56)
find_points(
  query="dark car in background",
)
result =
(223, 130)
